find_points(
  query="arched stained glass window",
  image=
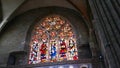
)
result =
(52, 40)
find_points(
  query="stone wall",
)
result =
(13, 36)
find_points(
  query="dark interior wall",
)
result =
(1, 16)
(13, 36)
(34, 4)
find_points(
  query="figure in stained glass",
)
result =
(53, 51)
(34, 52)
(63, 49)
(43, 52)
(52, 40)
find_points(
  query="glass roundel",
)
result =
(52, 40)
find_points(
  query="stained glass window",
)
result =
(52, 40)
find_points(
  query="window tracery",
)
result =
(52, 40)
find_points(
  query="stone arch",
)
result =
(53, 39)
(76, 20)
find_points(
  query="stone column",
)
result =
(106, 24)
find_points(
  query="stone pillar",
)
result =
(106, 24)
(92, 43)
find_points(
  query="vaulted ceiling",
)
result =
(11, 8)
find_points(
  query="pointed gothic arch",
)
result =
(53, 39)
